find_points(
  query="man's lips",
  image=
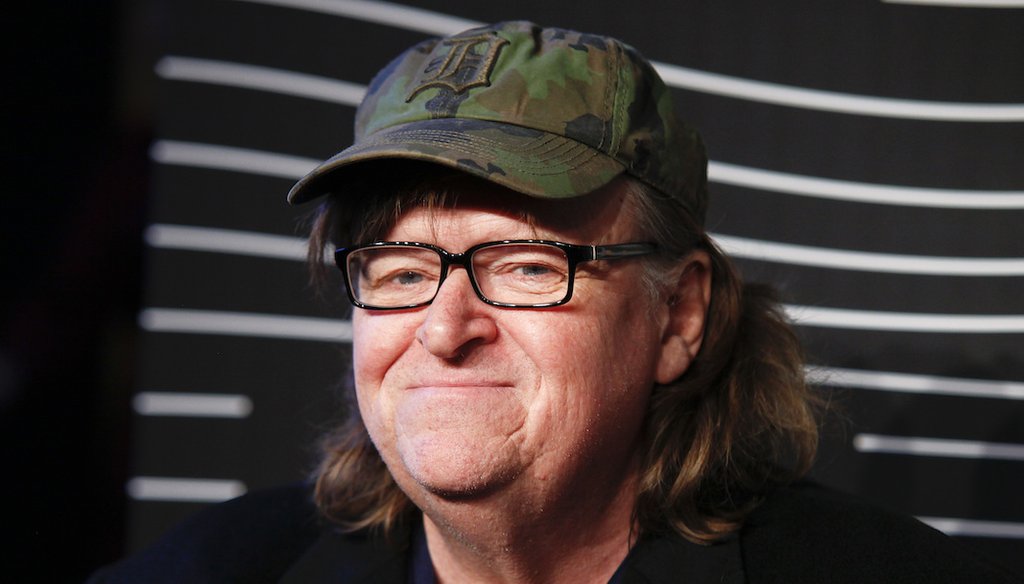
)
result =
(459, 385)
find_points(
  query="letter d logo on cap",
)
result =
(464, 63)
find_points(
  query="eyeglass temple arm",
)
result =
(622, 250)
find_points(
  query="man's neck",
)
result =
(580, 539)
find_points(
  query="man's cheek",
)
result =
(376, 345)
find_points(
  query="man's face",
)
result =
(464, 399)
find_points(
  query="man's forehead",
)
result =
(473, 200)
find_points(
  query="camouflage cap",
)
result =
(543, 111)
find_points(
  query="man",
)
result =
(558, 376)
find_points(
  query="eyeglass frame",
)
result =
(575, 254)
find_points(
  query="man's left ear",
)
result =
(687, 307)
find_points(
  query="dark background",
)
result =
(84, 104)
(77, 119)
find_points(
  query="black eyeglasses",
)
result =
(515, 273)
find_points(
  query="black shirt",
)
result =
(800, 534)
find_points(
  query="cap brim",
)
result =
(528, 161)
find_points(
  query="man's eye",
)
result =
(526, 270)
(531, 276)
(534, 270)
(408, 278)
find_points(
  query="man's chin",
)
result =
(462, 488)
(454, 467)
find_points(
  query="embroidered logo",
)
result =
(466, 64)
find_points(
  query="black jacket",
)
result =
(801, 534)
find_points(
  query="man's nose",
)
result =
(457, 320)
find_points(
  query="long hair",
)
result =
(738, 422)
(741, 419)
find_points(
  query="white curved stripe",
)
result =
(260, 78)
(184, 490)
(963, 3)
(832, 101)
(193, 405)
(231, 158)
(911, 383)
(176, 320)
(975, 527)
(386, 13)
(916, 446)
(770, 251)
(294, 167)
(903, 321)
(825, 188)
(435, 23)
(210, 239)
(213, 322)
(215, 240)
